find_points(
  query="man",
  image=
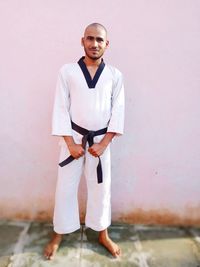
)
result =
(88, 113)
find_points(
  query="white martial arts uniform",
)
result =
(92, 104)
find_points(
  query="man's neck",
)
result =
(92, 62)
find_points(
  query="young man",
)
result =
(88, 113)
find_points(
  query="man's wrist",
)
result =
(69, 140)
(107, 139)
(104, 143)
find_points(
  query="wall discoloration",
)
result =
(159, 216)
(138, 216)
(25, 214)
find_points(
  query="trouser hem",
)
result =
(66, 231)
(97, 229)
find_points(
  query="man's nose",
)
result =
(94, 43)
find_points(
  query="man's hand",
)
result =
(76, 150)
(96, 150)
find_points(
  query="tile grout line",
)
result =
(19, 247)
(81, 245)
(141, 257)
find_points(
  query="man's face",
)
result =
(94, 42)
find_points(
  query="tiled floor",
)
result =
(22, 243)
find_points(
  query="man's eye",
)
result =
(99, 40)
(90, 38)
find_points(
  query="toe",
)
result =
(45, 254)
(115, 254)
(51, 257)
(118, 252)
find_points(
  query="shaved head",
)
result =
(95, 25)
(95, 41)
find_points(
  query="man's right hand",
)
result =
(76, 150)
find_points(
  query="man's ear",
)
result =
(107, 43)
(82, 41)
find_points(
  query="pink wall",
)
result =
(156, 163)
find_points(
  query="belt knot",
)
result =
(88, 136)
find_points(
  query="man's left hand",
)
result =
(96, 150)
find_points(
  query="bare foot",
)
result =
(52, 246)
(112, 247)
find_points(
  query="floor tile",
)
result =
(9, 235)
(169, 246)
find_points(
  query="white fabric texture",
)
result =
(98, 210)
(92, 109)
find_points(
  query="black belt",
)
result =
(88, 136)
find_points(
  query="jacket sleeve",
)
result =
(116, 123)
(61, 121)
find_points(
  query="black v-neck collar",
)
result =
(91, 82)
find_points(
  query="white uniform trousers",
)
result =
(98, 211)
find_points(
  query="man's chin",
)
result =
(93, 57)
